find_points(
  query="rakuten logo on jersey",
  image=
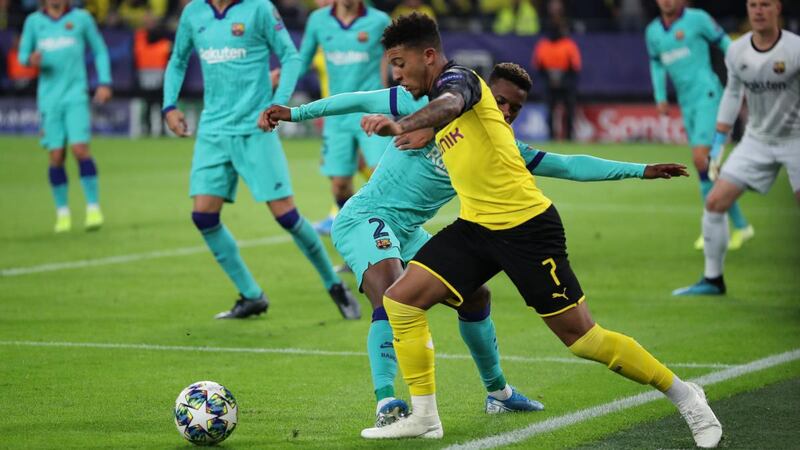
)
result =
(51, 44)
(338, 58)
(221, 55)
(671, 56)
(758, 87)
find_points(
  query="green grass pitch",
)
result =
(629, 242)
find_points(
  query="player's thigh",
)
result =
(722, 196)
(53, 129)
(372, 147)
(788, 154)
(339, 157)
(78, 123)
(261, 162)
(534, 256)
(751, 165)
(364, 241)
(459, 258)
(212, 170)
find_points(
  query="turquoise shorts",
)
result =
(220, 159)
(365, 240)
(65, 125)
(340, 147)
(700, 119)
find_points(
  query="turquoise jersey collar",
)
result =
(362, 11)
(680, 16)
(221, 15)
(56, 19)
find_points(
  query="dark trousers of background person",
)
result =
(150, 85)
(567, 96)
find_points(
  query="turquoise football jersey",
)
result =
(62, 44)
(234, 47)
(682, 51)
(352, 53)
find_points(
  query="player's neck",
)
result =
(345, 14)
(765, 39)
(56, 12)
(670, 18)
(438, 68)
(220, 5)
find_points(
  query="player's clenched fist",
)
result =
(380, 125)
(177, 123)
(269, 118)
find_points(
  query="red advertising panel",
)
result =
(628, 123)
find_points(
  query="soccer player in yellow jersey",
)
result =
(505, 224)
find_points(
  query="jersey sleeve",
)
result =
(178, 61)
(27, 43)
(102, 63)
(712, 32)
(281, 43)
(462, 82)
(582, 167)
(658, 74)
(395, 101)
(734, 92)
(308, 47)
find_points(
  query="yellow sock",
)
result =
(413, 346)
(623, 355)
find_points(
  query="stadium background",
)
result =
(614, 90)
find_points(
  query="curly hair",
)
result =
(514, 73)
(414, 30)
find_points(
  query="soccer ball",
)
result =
(206, 413)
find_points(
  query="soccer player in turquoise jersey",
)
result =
(54, 39)
(349, 34)
(380, 229)
(234, 39)
(678, 44)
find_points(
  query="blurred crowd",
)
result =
(523, 17)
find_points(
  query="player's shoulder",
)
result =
(696, 14)
(792, 39)
(653, 28)
(320, 14)
(194, 7)
(740, 45)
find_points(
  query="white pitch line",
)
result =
(158, 254)
(584, 415)
(304, 352)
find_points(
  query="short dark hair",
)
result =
(514, 73)
(414, 30)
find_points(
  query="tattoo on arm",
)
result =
(440, 111)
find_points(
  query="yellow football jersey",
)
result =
(488, 173)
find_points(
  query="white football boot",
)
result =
(706, 429)
(411, 426)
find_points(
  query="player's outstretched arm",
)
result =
(590, 168)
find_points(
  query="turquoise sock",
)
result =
(58, 184)
(382, 359)
(737, 216)
(88, 173)
(705, 188)
(481, 339)
(311, 245)
(226, 251)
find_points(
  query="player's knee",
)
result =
(716, 203)
(205, 222)
(477, 307)
(289, 220)
(81, 151)
(57, 158)
(700, 162)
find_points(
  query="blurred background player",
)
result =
(407, 190)
(349, 34)
(678, 43)
(234, 40)
(764, 65)
(54, 39)
(505, 224)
